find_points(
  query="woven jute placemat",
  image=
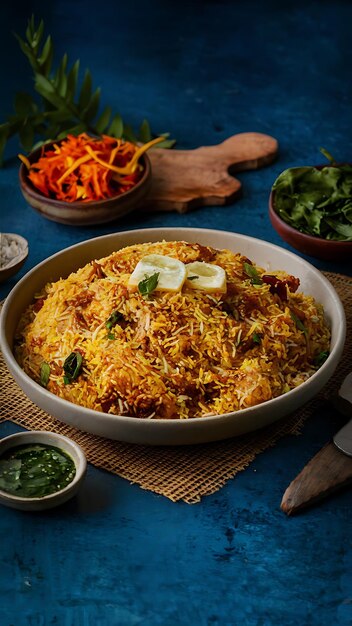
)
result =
(184, 472)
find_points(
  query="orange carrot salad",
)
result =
(84, 168)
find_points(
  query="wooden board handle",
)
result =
(185, 179)
(327, 472)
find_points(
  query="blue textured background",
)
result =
(117, 555)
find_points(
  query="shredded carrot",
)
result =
(84, 168)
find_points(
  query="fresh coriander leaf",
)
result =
(316, 201)
(114, 319)
(256, 338)
(44, 374)
(298, 322)
(252, 273)
(321, 358)
(147, 286)
(111, 336)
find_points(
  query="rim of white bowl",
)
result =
(172, 423)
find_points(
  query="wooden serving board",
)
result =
(186, 179)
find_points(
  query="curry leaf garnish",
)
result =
(252, 273)
(65, 106)
(114, 319)
(147, 286)
(256, 338)
(298, 322)
(44, 374)
(72, 367)
(321, 358)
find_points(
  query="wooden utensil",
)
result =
(331, 468)
(185, 179)
(327, 472)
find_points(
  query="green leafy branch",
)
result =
(64, 106)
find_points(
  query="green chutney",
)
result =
(35, 470)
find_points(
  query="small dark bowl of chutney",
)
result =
(39, 470)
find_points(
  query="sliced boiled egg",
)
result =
(172, 273)
(205, 276)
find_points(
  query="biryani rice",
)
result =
(173, 355)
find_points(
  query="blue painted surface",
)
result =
(118, 555)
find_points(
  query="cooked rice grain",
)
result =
(172, 355)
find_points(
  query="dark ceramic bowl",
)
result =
(85, 213)
(308, 244)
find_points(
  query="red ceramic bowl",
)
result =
(84, 213)
(309, 244)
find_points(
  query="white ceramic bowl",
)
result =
(51, 439)
(173, 432)
(12, 266)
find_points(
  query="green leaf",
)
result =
(72, 130)
(72, 80)
(27, 52)
(321, 358)
(86, 91)
(37, 36)
(46, 58)
(24, 104)
(45, 88)
(44, 374)
(4, 133)
(256, 338)
(91, 110)
(116, 127)
(103, 121)
(60, 80)
(252, 273)
(26, 135)
(316, 201)
(327, 155)
(298, 322)
(145, 134)
(128, 133)
(57, 111)
(147, 286)
(10, 471)
(167, 143)
(30, 30)
(56, 115)
(72, 366)
(114, 319)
